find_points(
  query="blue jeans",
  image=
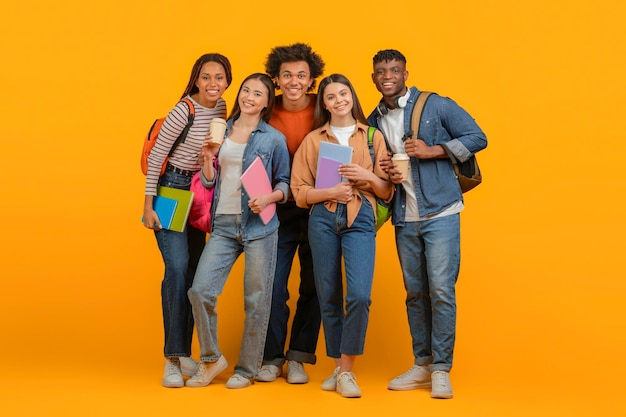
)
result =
(430, 256)
(305, 329)
(222, 250)
(330, 239)
(180, 253)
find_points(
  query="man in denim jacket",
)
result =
(425, 215)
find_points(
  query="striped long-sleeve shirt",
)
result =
(186, 154)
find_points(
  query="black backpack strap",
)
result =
(183, 135)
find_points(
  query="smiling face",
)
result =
(253, 97)
(338, 100)
(390, 79)
(211, 83)
(294, 80)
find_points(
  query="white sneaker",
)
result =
(206, 372)
(330, 383)
(188, 366)
(238, 381)
(441, 385)
(346, 385)
(268, 373)
(295, 373)
(172, 377)
(416, 377)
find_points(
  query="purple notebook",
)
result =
(327, 173)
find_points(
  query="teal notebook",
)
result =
(184, 199)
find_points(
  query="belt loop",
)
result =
(185, 172)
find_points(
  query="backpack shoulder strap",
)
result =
(370, 142)
(183, 135)
(192, 109)
(417, 112)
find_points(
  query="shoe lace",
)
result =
(347, 377)
(296, 367)
(172, 366)
(408, 374)
(200, 371)
(439, 379)
(239, 378)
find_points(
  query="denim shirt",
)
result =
(271, 146)
(436, 185)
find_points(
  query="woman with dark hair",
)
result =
(236, 228)
(342, 224)
(210, 77)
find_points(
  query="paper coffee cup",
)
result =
(218, 129)
(401, 160)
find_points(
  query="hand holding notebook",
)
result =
(256, 182)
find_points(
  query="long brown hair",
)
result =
(271, 97)
(322, 115)
(192, 88)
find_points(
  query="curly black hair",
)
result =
(389, 55)
(293, 53)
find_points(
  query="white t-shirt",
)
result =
(343, 134)
(393, 126)
(230, 157)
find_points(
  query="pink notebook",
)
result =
(256, 182)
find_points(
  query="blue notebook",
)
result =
(181, 213)
(165, 209)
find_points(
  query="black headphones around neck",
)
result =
(399, 103)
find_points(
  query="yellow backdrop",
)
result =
(541, 318)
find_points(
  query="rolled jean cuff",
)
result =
(276, 362)
(304, 357)
(423, 361)
(440, 367)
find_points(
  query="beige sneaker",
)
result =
(346, 385)
(441, 385)
(172, 376)
(188, 366)
(416, 377)
(238, 381)
(206, 372)
(330, 383)
(268, 373)
(295, 373)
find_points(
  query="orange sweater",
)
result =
(293, 124)
(304, 168)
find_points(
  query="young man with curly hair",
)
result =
(294, 69)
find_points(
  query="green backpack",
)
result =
(383, 209)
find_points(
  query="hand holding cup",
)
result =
(401, 162)
(217, 126)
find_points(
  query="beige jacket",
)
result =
(304, 168)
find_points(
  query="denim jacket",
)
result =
(436, 185)
(270, 145)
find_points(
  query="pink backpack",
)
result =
(200, 213)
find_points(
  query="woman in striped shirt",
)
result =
(210, 77)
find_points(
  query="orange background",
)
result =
(540, 298)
